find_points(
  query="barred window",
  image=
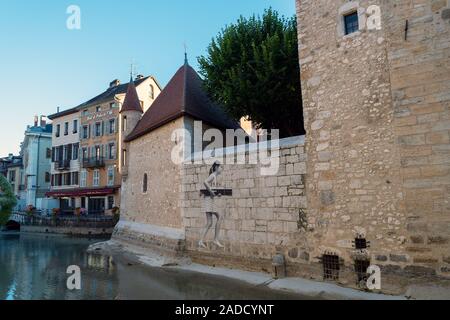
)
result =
(351, 23)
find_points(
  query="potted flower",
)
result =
(29, 210)
(55, 212)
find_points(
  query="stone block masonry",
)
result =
(373, 168)
(376, 106)
(264, 215)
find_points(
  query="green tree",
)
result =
(7, 200)
(252, 69)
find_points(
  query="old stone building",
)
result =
(150, 202)
(368, 185)
(376, 90)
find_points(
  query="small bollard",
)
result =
(279, 266)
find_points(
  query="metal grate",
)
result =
(331, 266)
(360, 243)
(351, 23)
(361, 266)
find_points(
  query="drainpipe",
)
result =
(37, 170)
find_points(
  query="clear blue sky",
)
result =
(43, 65)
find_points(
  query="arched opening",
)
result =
(145, 183)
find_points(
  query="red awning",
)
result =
(81, 193)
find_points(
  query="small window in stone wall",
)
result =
(145, 183)
(351, 22)
(360, 243)
(331, 266)
(361, 266)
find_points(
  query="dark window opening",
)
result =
(98, 129)
(110, 202)
(361, 266)
(112, 126)
(75, 178)
(145, 183)
(76, 148)
(331, 267)
(361, 243)
(351, 23)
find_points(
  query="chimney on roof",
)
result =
(36, 120)
(114, 83)
(57, 109)
(43, 122)
(139, 76)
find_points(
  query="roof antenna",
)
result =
(185, 54)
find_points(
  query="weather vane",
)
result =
(185, 53)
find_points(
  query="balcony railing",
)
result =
(90, 221)
(62, 164)
(93, 162)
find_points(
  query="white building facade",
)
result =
(65, 164)
(36, 150)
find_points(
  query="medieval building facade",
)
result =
(367, 185)
(86, 157)
(375, 78)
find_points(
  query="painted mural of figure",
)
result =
(210, 206)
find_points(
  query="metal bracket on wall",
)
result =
(406, 29)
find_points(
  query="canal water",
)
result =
(33, 267)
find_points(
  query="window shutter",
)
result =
(61, 153)
(69, 152)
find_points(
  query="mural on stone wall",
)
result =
(210, 196)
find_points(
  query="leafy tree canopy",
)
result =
(252, 70)
(7, 200)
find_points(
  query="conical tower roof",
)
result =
(132, 102)
(183, 95)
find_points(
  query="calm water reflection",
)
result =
(34, 267)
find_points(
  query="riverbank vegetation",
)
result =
(7, 200)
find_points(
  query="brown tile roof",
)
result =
(132, 102)
(184, 95)
(105, 96)
(109, 94)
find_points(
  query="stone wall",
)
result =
(420, 83)
(151, 155)
(376, 112)
(264, 216)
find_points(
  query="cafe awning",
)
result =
(98, 192)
